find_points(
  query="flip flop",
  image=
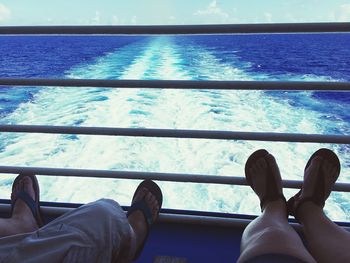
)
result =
(142, 206)
(33, 204)
(320, 194)
(271, 191)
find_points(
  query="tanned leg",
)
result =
(326, 241)
(270, 232)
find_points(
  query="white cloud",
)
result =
(122, 21)
(344, 15)
(134, 20)
(96, 19)
(268, 17)
(5, 13)
(292, 19)
(115, 20)
(213, 10)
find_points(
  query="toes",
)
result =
(271, 160)
(334, 173)
(327, 166)
(315, 164)
(148, 197)
(153, 204)
(16, 189)
(254, 169)
(257, 166)
(261, 163)
(329, 169)
(317, 161)
(152, 198)
(140, 194)
(155, 209)
(20, 185)
(27, 184)
(155, 212)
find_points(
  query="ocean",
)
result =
(275, 57)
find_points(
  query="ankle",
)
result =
(308, 210)
(139, 228)
(16, 226)
(276, 207)
(133, 245)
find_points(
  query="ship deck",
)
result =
(184, 235)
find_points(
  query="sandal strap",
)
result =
(32, 203)
(294, 204)
(29, 201)
(319, 194)
(271, 189)
(142, 207)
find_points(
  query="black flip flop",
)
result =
(319, 196)
(271, 191)
(33, 204)
(142, 206)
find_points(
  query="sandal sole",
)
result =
(328, 155)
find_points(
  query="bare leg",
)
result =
(270, 232)
(137, 220)
(326, 241)
(22, 219)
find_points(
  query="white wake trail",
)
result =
(159, 58)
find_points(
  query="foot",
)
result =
(320, 175)
(22, 216)
(137, 220)
(263, 175)
(318, 165)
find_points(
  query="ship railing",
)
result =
(173, 84)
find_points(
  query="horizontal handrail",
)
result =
(182, 84)
(178, 29)
(175, 133)
(169, 177)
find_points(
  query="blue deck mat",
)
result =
(193, 242)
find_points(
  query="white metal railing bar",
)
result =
(179, 29)
(182, 84)
(175, 133)
(170, 177)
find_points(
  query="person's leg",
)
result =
(22, 219)
(105, 222)
(96, 232)
(270, 233)
(326, 241)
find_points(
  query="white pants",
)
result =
(95, 232)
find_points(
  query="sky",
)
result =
(149, 12)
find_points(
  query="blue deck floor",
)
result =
(195, 243)
(192, 242)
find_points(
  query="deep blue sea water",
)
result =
(306, 57)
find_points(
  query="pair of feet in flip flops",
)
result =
(26, 214)
(320, 174)
(262, 174)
